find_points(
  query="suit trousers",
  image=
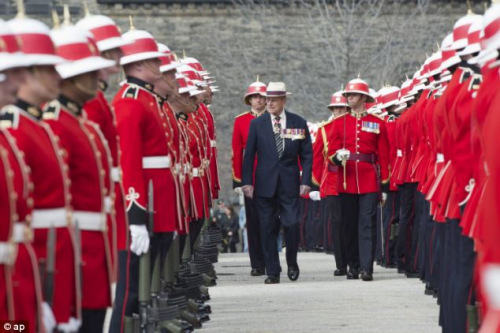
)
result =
(127, 286)
(280, 210)
(337, 232)
(253, 233)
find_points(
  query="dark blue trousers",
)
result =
(281, 210)
(253, 233)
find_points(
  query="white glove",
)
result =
(384, 196)
(71, 326)
(140, 239)
(315, 196)
(238, 190)
(343, 154)
(49, 321)
(491, 278)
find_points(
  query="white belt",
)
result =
(399, 153)
(47, 218)
(195, 172)
(187, 167)
(157, 162)
(213, 143)
(440, 158)
(21, 233)
(115, 174)
(7, 253)
(92, 221)
(108, 204)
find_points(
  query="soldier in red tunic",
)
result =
(144, 159)
(20, 294)
(257, 102)
(51, 217)
(325, 181)
(108, 40)
(90, 165)
(359, 147)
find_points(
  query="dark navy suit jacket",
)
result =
(270, 168)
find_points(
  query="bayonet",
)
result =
(50, 266)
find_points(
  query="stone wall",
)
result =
(315, 49)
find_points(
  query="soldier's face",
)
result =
(391, 108)
(207, 96)
(87, 85)
(151, 70)
(13, 78)
(355, 100)
(115, 55)
(45, 82)
(257, 102)
(338, 110)
(275, 104)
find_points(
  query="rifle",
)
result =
(146, 326)
(78, 253)
(48, 282)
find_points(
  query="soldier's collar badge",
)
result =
(140, 83)
(70, 105)
(32, 110)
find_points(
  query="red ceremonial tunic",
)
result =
(88, 193)
(324, 175)
(390, 123)
(7, 248)
(199, 189)
(145, 155)
(25, 273)
(44, 156)
(183, 176)
(212, 136)
(365, 136)
(99, 111)
(239, 142)
(441, 192)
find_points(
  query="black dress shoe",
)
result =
(412, 274)
(293, 273)
(352, 274)
(257, 272)
(428, 290)
(272, 280)
(340, 272)
(366, 276)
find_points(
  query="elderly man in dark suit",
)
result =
(282, 144)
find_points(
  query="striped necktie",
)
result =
(277, 136)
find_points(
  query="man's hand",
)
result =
(49, 321)
(248, 191)
(140, 239)
(384, 198)
(343, 154)
(304, 189)
(315, 196)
